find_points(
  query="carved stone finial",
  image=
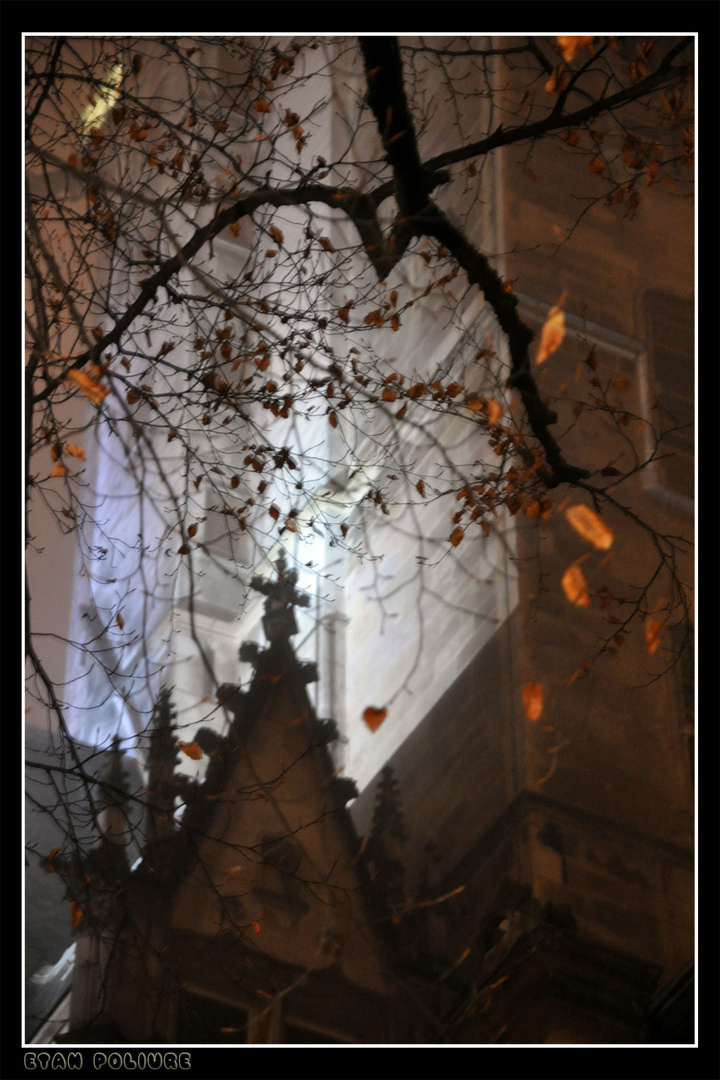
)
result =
(113, 799)
(114, 780)
(282, 596)
(162, 760)
(386, 842)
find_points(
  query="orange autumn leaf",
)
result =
(119, 620)
(590, 526)
(276, 234)
(571, 45)
(261, 105)
(59, 470)
(652, 635)
(76, 914)
(420, 489)
(374, 717)
(89, 387)
(557, 81)
(621, 383)
(457, 535)
(255, 927)
(191, 749)
(75, 451)
(552, 334)
(474, 402)
(495, 411)
(575, 587)
(332, 418)
(533, 700)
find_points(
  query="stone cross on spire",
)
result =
(282, 596)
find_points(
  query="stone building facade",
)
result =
(261, 917)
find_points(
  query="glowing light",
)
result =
(105, 98)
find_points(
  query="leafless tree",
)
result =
(242, 255)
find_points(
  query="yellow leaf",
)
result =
(88, 386)
(533, 700)
(58, 470)
(590, 526)
(191, 749)
(575, 587)
(75, 451)
(652, 635)
(374, 717)
(571, 46)
(552, 334)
